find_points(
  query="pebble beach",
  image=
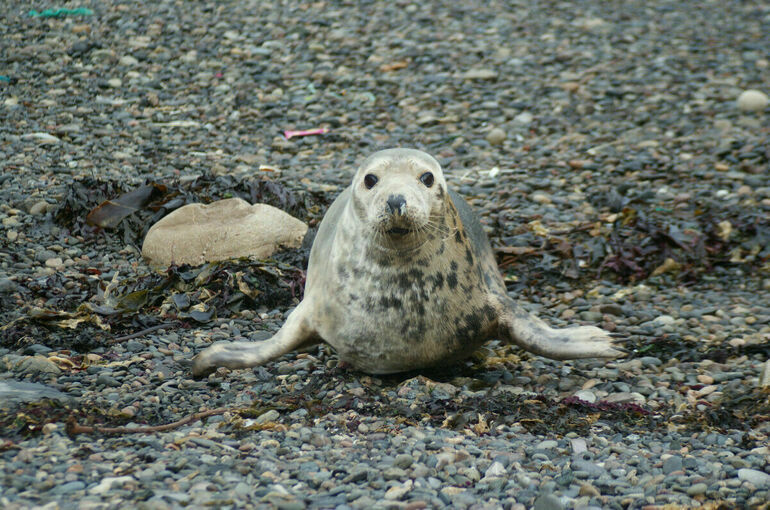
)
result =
(617, 153)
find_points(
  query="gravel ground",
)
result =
(601, 142)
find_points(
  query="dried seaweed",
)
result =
(184, 295)
(642, 242)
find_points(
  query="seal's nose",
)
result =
(396, 204)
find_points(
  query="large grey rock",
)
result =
(227, 229)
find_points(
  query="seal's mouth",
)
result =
(398, 231)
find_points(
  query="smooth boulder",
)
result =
(222, 230)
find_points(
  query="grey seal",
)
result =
(401, 277)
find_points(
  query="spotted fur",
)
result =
(395, 289)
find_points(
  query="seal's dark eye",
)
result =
(427, 179)
(370, 180)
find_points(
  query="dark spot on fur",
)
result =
(459, 236)
(453, 266)
(489, 312)
(391, 302)
(440, 192)
(469, 256)
(342, 271)
(419, 308)
(402, 281)
(473, 321)
(438, 281)
(440, 249)
(416, 275)
(451, 279)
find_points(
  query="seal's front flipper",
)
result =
(295, 333)
(532, 334)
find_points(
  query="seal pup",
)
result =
(401, 277)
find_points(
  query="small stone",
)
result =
(107, 380)
(108, 482)
(496, 136)
(587, 489)
(548, 502)
(671, 464)
(41, 137)
(403, 461)
(755, 477)
(128, 60)
(398, 491)
(38, 207)
(7, 286)
(115, 82)
(523, 119)
(270, 415)
(752, 101)
(480, 74)
(54, 262)
(586, 395)
(496, 469)
(697, 489)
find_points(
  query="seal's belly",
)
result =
(399, 329)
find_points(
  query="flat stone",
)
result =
(671, 464)
(20, 391)
(227, 229)
(548, 502)
(479, 74)
(756, 477)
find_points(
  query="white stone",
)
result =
(128, 60)
(115, 82)
(227, 229)
(496, 469)
(524, 118)
(106, 484)
(398, 491)
(480, 74)
(41, 137)
(752, 101)
(586, 395)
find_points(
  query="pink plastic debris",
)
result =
(306, 132)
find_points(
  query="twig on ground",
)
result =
(142, 332)
(73, 428)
